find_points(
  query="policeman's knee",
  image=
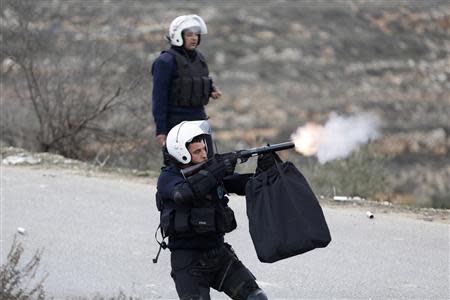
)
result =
(257, 294)
(251, 291)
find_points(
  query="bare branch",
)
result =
(72, 88)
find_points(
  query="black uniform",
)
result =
(181, 88)
(195, 216)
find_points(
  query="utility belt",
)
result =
(219, 251)
(212, 253)
(188, 221)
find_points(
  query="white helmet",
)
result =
(183, 133)
(184, 22)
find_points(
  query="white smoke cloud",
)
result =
(341, 135)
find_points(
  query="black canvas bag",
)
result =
(285, 218)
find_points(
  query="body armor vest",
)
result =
(215, 216)
(193, 85)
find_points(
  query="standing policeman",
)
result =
(181, 82)
(195, 216)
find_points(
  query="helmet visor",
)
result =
(192, 30)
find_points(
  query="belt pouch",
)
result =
(181, 221)
(203, 219)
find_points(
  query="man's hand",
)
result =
(221, 165)
(216, 93)
(266, 161)
(229, 160)
(161, 139)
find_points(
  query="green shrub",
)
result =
(440, 201)
(364, 173)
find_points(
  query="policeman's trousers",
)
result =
(195, 272)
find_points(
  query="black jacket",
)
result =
(194, 212)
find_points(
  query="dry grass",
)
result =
(18, 280)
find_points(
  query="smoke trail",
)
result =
(341, 135)
(338, 137)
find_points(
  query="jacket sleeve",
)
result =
(236, 183)
(186, 192)
(163, 70)
(194, 189)
(201, 184)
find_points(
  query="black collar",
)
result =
(183, 51)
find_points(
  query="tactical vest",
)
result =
(193, 85)
(184, 221)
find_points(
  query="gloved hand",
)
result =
(222, 165)
(230, 161)
(266, 161)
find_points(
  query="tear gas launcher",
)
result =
(243, 155)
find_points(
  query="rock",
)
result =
(21, 159)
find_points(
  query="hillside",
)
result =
(281, 64)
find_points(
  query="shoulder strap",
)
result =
(181, 60)
(162, 244)
(201, 56)
(178, 56)
(171, 51)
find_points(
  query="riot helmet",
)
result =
(186, 22)
(182, 134)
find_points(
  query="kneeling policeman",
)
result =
(195, 216)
